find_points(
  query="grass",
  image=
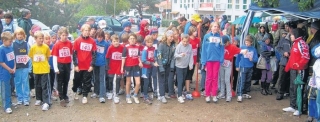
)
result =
(75, 35)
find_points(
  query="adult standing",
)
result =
(195, 19)
(224, 21)
(126, 29)
(315, 26)
(25, 22)
(1, 27)
(154, 20)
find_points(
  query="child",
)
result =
(39, 54)
(130, 65)
(148, 59)
(93, 30)
(211, 57)
(34, 29)
(165, 57)
(154, 35)
(84, 57)
(23, 66)
(62, 58)
(183, 59)
(226, 68)
(195, 42)
(113, 61)
(176, 36)
(107, 37)
(266, 74)
(8, 67)
(124, 37)
(244, 64)
(99, 70)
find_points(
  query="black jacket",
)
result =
(314, 41)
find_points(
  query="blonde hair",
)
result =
(62, 30)
(6, 36)
(184, 36)
(249, 38)
(38, 34)
(211, 25)
(148, 38)
(46, 34)
(114, 37)
(85, 26)
(192, 29)
(125, 37)
(20, 31)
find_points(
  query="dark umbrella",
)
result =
(299, 82)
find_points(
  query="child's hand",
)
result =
(156, 64)
(76, 69)
(183, 54)
(11, 71)
(140, 65)
(121, 70)
(57, 72)
(286, 54)
(90, 69)
(237, 69)
(190, 68)
(250, 58)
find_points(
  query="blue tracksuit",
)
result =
(212, 48)
(99, 69)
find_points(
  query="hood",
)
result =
(143, 32)
(205, 20)
(224, 17)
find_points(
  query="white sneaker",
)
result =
(136, 99)
(162, 99)
(167, 96)
(94, 95)
(109, 96)
(246, 96)
(289, 109)
(121, 91)
(129, 100)
(228, 99)
(8, 110)
(102, 100)
(220, 96)
(296, 113)
(180, 99)
(116, 100)
(144, 76)
(37, 103)
(214, 99)
(208, 99)
(19, 103)
(32, 93)
(76, 97)
(84, 100)
(45, 107)
(239, 99)
(54, 98)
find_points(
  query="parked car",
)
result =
(147, 17)
(114, 24)
(127, 18)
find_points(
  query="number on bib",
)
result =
(64, 52)
(22, 59)
(10, 56)
(116, 56)
(150, 54)
(85, 46)
(38, 58)
(195, 52)
(100, 49)
(133, 52)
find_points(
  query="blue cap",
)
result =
(225, 39)
(153, 31)
(126, 24)
(211, 16)
(236, 39)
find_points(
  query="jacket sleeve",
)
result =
(159, 58)
(305, 56)
(315, 51)
(144, 57)
(238, 58)
(191, 59)
(203, 51)
(75, 58)
(176, 55)
(280, 46)
(22, 24)
(222, 54)
(255, 56)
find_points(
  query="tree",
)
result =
(140, 4)
(302, 4)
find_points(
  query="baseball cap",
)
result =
(102, 24)
(153, 31)
(196, 17)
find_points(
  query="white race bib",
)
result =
(100, 49)
(195, 52)
(226, 63)
(22, 59)
(248, 55)
(150, 54)
(64, 52)
(155, 46)
(133, 52)
(116, 56)
(38, 58)
(214, 39)
(85, 46)
(10, 56)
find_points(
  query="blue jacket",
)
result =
(212, 48)
(313, 50)
(241, 61)
(186, 28)
(51, 57)
(102, 48)
(120, 34)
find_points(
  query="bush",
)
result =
(166, 23)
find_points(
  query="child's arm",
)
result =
(155, 58)
(144, 57)
(191, 59)
(203, 51)
(222, 54)
(124, 56)
(55, 59)
(177, 53)
(5, 66)
(255, 56)
(159, 58)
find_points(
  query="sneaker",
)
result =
(76, 97)
(289, 109)
(45, 107)
(246, 96)
(239, 99)
(79, 91)
(54, 98)
(214, 99)
(163, 99)
(8, 110)
(147, 101)
(94, 95)
(183, 97)
(32, 93)
(203, 93)
(296, 113)
(121, 91)
(155, 95)
(116, 100)
(84, 100)
(102, 100)
(220, 96)
(109, 96)
(63, 103)
(141, 95)
(129, 100)
(208, 99)
(26, 103)
(180, 99)
(189, 97)
(37, 103)
(19, 103)
(167, 96)
(228, 99)
(144, 76)
(136, 99)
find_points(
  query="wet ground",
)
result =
(258, 109)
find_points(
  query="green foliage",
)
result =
(268, 3)
(166, 23)
(304, 4)
(139, 4)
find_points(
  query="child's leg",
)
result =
(162, 78)
(31, 80)
(117, 83)
(227, 75)
(222, 80)
(189, 78)
(18, 84)
(102, 84)
(52, 76)
(209, 78)
(45, 88)
(215, 76)
(37, 79)
(247, 80)
(12, 85)
(86, 81)
(263, 75)
(169, 75)
(65, 83)
(25, 85)
(181, 74)
(96, 79)
(269, 76)
(6, 94)
(318, 104)
(76, 81)
(136, 75)
(203, 79)
(241, 81)
(155, 79)
(146, 82)
(128, 85)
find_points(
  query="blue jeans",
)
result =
(155, 79)
(318, 105)
(163, 79)
(99, 80)
(21, 80)
(5, 94)
(181, 77)
(203, 78)
(245, 78)
(146, 81)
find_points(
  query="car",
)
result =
(147, 17)
(114, 24)
(43, 27)
(127, 18)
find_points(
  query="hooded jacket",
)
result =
(25, 24)
(299, 55)
(283, 46)
(212, 48)
(223, 22)
(315, 41)
(242, 61)
(165, 55)
(143, 32)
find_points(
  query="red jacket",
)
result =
(230, 51)
(299, 55)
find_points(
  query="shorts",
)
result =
(190, 73)
(132, 71)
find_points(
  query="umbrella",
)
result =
(298, 81)
(241, 19)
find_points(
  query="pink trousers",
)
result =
(212, 77)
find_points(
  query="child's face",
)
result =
(92, 31)
(64, 37)
(267, 41)
(107, 36)
(100, 38)
(176, 35)
(53, 39)
(7, 43)
(132, 40)
(149, 43)
(292, 37)
(170, 38)
(215, 28)
(194, 33)
(235, 42)
(227, 43)
(127, 29)
(115, 43)
(146, 27)
(20, 36)
(154, 36)
(284, 35)
(185, 41)
(85, 32)
(39, 40)
(248, 43)
(47, 40)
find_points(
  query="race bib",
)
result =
(64, 52)
(100, 49)
(226, 63)
(39, 58)
(116, 56)
(150, 54)
(22, 59)
(10, 56)
(133, 52)
(195, 52)
(85, 46)
(214, 39)
(248, 55)
(155, 46)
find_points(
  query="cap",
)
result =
(315, 25)
(153, 31)
(91, 19)
(196, 17)
(35, 28)
(51, 33)
(102, 24)
(225, 39)
(126, 24)
(94, 26)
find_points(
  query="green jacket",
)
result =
(25, 24)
